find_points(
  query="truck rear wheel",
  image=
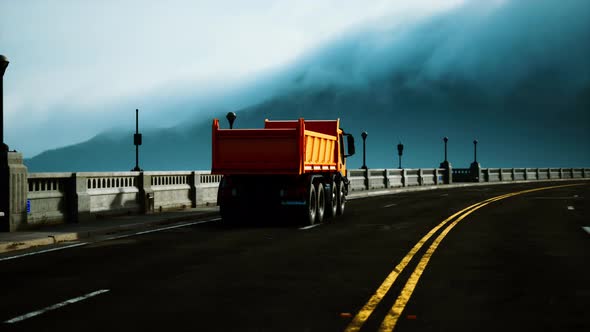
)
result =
(321, 206)
(311, 205)
(341, 198)
(332, 200)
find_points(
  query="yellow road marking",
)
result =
(393, 315)
(369, 307)
(391, 319)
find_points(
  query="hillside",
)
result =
(516, 78)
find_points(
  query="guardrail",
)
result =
(72, 197)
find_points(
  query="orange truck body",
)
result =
(295, 147)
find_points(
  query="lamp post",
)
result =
(446, 140)
(475, 166)
(400, 151)
(231, 117)
(364, 136)
(136, 142)
(446, 165)
(475, 151)
(13, 175)
(3, 65)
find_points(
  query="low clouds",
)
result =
(87, 61)
(80, 67)
(495, 47)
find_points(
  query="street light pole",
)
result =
(364, 136)
(137, 142)
(475, 151)
(400, 151)
(3, 65)
(446, 140)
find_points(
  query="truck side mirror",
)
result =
(350, 142)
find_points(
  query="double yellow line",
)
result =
(395, 312)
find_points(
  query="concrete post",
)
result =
(561, 173)
(513, 174)
(367, 183)
(436, 176)
(537, 174)
(573, 172)
(386, 179)
(14, 189)
(80, 209)
(194, 182)
(404, 178)
(448, 172)
(146, 193)
(475, 172)
(420, 177)
(526, 173)
(583, 172)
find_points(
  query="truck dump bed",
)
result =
(282, 147)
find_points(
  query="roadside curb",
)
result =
(58, 237)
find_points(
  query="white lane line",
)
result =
(44, 251)
(569, 207)
(161, 229)
(389, 205)
(309, 227)
(107, 239)
(55, 306)
(586, 228)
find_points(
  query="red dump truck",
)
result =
(297, 165)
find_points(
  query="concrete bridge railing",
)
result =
(53, 198)
(362, 179)
(73, 197)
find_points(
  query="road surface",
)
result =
(518, 262)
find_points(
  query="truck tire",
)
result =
(321, 206)
(332, 200)
(311, 205)
(341, 198)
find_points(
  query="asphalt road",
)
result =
(519, 263)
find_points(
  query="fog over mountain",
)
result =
(513, 74)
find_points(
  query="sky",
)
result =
(78, 68)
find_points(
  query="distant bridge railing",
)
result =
(361, 179)
(73, 197)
